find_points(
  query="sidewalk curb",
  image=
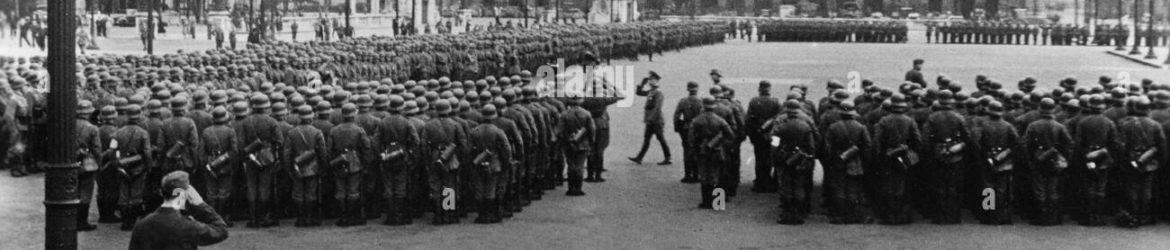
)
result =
(1125, 56)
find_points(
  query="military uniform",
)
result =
(444, 141)
(895, 137)
(575, 133)
(132, 158)
(708, 134)
(221, 149)
(761, 109)
(493, 153)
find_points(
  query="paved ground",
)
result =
(645, 207)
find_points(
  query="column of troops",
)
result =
(1091, 153)
(353, 129)
(1022, 33)
(832, 31)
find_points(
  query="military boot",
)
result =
(302, 214)
(314, 213)
(106, 211)
(483, 214)
(266, 210)
(575, 182)
(343, 220)
(129, 217)
(705, 191)
(254, 220)
(355, 213)
(83, 218)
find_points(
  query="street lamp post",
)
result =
(1120, 9)
(61, 199)
(1150, 32)
(150, 29)
(1136, 35)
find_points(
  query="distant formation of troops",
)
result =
(1090, 152)
(354, 129)
(832, 31)
(1020, 33)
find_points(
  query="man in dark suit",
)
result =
(167, 229)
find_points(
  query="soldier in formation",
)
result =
(1089, 154)
(832, 31)
(355, 129)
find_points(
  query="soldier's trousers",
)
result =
(1137, 192)
(219, 188)
(107, 192)
(394, 181)
(437, 181)
(259, 182)
(892, 198)
(85, 186)
(597, 156)
(765, 180)
(576, 161)
(1046, 190)
(689, 162)
(654, 130)
(131, 190)
(484, 185)
(793, 193)
(1000, 184)
(349, 186)
(1095, 182)
(305, 190)
(949, 182)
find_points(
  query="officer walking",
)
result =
(653, 119)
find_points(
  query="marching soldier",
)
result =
(793, 141)
(708, 133)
